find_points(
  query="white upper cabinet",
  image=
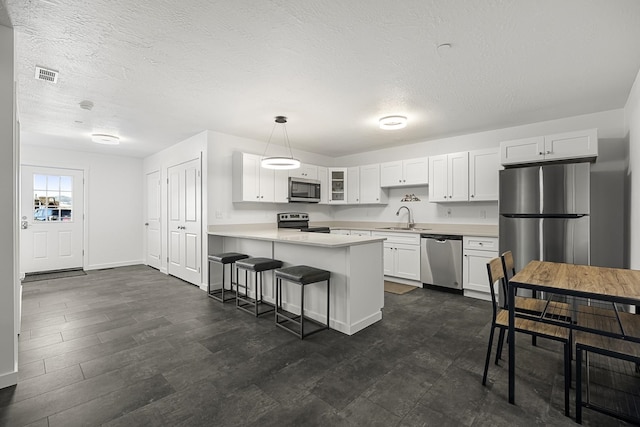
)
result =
(483, 174)
(281, 186)
(370, 191)
(571, 145)
(458, 165)
(404, 172)
(253, 183)
(353, 185)
(449, 177)
(416, 171)
(564, 146)
(323, 177)
(337, 186)
(305, 171)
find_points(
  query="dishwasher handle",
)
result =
(441, 237)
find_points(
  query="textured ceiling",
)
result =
(159, 71)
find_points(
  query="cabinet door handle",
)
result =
(473, 195)
(548, 152)
(541, 153)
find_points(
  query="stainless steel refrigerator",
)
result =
(544, 213)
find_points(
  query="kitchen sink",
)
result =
(403, 228)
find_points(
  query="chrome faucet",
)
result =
(410, 222)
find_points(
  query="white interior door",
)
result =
(152, 222)
(184, 222)
(51, 219)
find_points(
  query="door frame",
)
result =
(145, 247)
(85, 194)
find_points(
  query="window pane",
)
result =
(39, 182)
(65, 199)
(53, 183)
(66, 183)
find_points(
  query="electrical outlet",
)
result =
(483, 213)
(449, 212)
(219, 214)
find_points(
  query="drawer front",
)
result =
(481, 243)
(406, 238)
(360, 233)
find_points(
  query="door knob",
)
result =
(146, 223)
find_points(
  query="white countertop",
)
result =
(292, 236)
(477, 230)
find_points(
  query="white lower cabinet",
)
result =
(477, 252)
(401, 255)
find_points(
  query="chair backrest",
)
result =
(509, 270)
(495, 271)
(508, 264)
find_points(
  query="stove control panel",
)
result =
(293, 216)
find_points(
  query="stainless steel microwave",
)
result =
(304, 190)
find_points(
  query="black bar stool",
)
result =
(301, 275)
(224, 259)
(255, 306)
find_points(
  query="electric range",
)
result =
(300, 221)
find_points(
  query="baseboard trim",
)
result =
(113, 265)
(9, 379)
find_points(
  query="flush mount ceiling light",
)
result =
(102, 138)
(392, 122)
(279, 162)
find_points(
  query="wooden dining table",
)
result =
(608, 285)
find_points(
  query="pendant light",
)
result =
(279, 162)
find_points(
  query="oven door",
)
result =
(304, 190)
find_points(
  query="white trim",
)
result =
(114, 264)
(9, 379)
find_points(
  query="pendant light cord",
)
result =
(286, 138)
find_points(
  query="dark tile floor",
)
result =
(131, 346)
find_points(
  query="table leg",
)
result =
(512, 343)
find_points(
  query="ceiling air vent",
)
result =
(46, 74)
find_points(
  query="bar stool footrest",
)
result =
(291, 322)
(217, 295)
(248, 304)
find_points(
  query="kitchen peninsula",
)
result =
(355, 263)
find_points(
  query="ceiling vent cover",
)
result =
(46, 74)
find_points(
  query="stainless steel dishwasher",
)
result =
(441, 260)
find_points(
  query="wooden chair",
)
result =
(500, 320)
(533, 305)
(605, 320)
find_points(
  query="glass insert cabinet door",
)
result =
(338, 185)
(52, 198)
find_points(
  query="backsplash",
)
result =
(423, 211)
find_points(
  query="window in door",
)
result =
(52, 198)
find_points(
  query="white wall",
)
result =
(632, 126)
(113, 202)
(8, 215)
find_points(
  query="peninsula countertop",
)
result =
(272, 234)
